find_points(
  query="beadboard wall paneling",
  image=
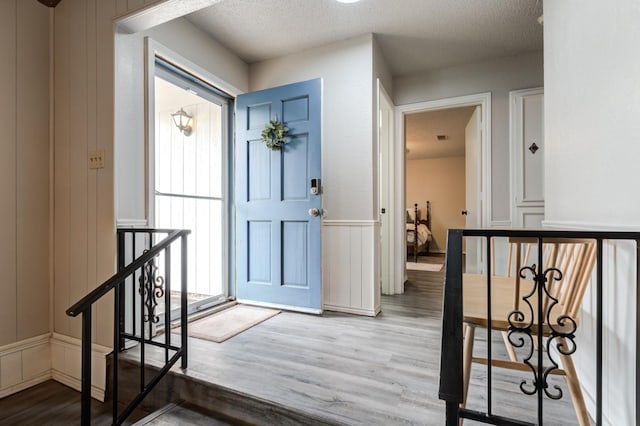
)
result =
(84, 209)
(32, 167)
(350, 275)
(24, 171)
(8, 110)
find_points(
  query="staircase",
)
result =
(179, 399)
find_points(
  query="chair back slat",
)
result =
(575, 258)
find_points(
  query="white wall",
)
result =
(498, 77)
(350, 224)
(194, 47)
(592, 123)
(347, 148)
(24, 190)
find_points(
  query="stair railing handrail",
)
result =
(116, 282)
(95, 295)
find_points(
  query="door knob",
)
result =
(464, 212)
(314, 212)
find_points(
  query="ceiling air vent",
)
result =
(442, 137)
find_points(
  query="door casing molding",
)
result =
(484, 101)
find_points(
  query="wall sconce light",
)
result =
(183, 121)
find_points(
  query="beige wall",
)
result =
(24, 170)
(84, 199)
(441, 181)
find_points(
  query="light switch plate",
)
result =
(96, 159)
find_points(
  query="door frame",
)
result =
(386, 164)
(480, 99)
(153, 48)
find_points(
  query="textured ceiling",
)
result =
(422, 128)
(415, 35)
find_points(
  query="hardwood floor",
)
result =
(356, 370)
(329, 369)
(52, 403)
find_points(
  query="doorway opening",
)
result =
(188, 157)
(435, 165)
(479, 176)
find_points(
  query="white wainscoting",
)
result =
(24, 364)
(66, 364)
(350, 272)
(619, 333)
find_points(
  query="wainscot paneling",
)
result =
(350, 276)
(24, 364)
(619, 327)
(65, 364)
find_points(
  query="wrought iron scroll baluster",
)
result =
(151, 289)
(563, 333)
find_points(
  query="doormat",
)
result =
(431, 267)
(229, 322)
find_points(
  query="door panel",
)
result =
(277, 239)
(526, 112)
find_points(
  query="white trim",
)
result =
(500, 223)
(159, 12)
(588, 226)
(69, 341)
(355, 311)
(24, 344)
(279, 306)
(484, 101)
(26, 384)
(386, 285)
(16, 351)
(66, 368)
(131, 223)
(351, 223)
(76, 384)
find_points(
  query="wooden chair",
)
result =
(575, 259)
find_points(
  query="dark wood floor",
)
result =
(52, 403)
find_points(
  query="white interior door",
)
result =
(387, 234)
(473, 185)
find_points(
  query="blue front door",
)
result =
(277, 234)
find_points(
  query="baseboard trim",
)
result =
(25, 385)
(278, 306)
(75, 383)
(355, 311)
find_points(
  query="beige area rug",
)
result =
(229, 322)
(431, 267)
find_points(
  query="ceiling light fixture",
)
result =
(347, 1)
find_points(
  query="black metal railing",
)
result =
(451, 388)
(144, 279)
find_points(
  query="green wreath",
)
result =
(274, 134)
